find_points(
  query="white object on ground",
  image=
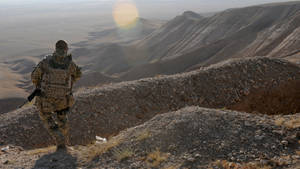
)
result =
(5, 148)
(100, 140)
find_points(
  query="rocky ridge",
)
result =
(191, 137)
(187, 44)
(109, 109)
(274, 27)
(196, 137)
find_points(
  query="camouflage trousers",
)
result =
(57, 125)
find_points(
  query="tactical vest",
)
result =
(56, 82)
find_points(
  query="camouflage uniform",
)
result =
(55, 76)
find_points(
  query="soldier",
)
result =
(55, 76)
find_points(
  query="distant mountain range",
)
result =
(191, 40)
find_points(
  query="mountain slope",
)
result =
(191, 137)
(106, 110)
(268, 30)
(184, 32)
(196, 137)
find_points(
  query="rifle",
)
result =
(36, 92)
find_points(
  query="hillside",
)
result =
(109, 109)
(191, 137)
(265, 30)
(187, 44)
(190, 41)
(196, 137)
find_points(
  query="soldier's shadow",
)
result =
(59, 160)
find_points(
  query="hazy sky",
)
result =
(146, 7)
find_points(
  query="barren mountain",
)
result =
(196, 137)
(186, 43)
(191, 137)
(108, 109)
(265, 30)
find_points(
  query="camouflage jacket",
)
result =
(55, 78)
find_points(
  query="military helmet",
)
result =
(61, 44)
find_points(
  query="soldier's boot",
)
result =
(60, 140)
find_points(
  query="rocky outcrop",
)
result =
(191, 137)
(106, 110)
(195, 137)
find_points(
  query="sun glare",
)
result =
(125, 13)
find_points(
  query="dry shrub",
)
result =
(294, 123)
(173, 167)
(279, 122)
(289, 123)
(156, 157)
(142, 136)
(98, 149)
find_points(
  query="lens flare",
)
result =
(125, 13)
